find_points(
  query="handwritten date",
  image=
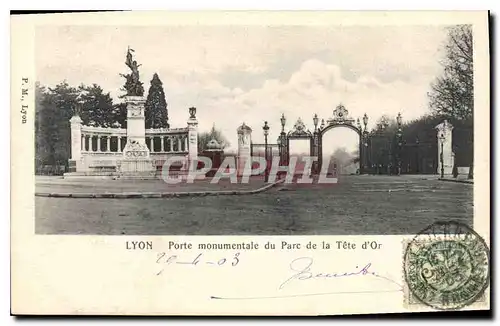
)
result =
(163, 258)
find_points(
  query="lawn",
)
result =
(356, 205)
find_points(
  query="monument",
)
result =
(244, 147)
(134, 151)
(76, 143)
(136, 156)
(446, 157)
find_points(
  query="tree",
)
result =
(54, 107)
(97, 109)
(42, 150)
(343, 158)
(155, 112)
(119, 112)
(452, 93)
(205, 137)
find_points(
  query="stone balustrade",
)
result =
(110, 141)
(98, 149)
(112, 150)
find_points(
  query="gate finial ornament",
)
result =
(341, 115)
(299, 129)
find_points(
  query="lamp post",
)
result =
(283, 121)
(315, 121)
(441, 158)
(417, 142)
(360, 147)
(365, 143)
(399, 135)
(266, 133)
(387, 149)
(315, 145)
(282, 140)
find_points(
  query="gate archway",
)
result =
(340, 118)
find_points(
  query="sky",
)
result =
(252, 74)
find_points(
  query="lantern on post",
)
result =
(399, 135)
(266, 133)
(283, 121)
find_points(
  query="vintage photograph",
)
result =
(250, 163)
(253, 130)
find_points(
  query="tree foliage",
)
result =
(97, 107)
(343, 158)
(452, 93)
(54, 107)
(156, 113)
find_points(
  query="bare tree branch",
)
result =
(452, 93)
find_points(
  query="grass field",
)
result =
(356, 205)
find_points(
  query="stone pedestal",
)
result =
(444, 142)
(244, 144)
(192, 137)
(136, 159)
(76, 144)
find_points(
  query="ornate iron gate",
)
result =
(340, 118)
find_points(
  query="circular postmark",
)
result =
(446, 266)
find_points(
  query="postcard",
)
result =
(250, 163)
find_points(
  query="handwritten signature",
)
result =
(303, 271)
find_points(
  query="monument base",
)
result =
(136, 161)
(136, 166)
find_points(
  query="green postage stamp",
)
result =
(446, 266)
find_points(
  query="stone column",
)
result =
(83, 139)
(108, 143)
(152, 144)
(136, 131)
(98, 143)
(192, 135)
(136, 155)
(162, 148)
(76, 137)
(444, 142)
(244, 144)
(76, 143)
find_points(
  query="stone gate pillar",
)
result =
(315, 151)
(444, 142)
(244, 144)
(192, 136)
(76, 143)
